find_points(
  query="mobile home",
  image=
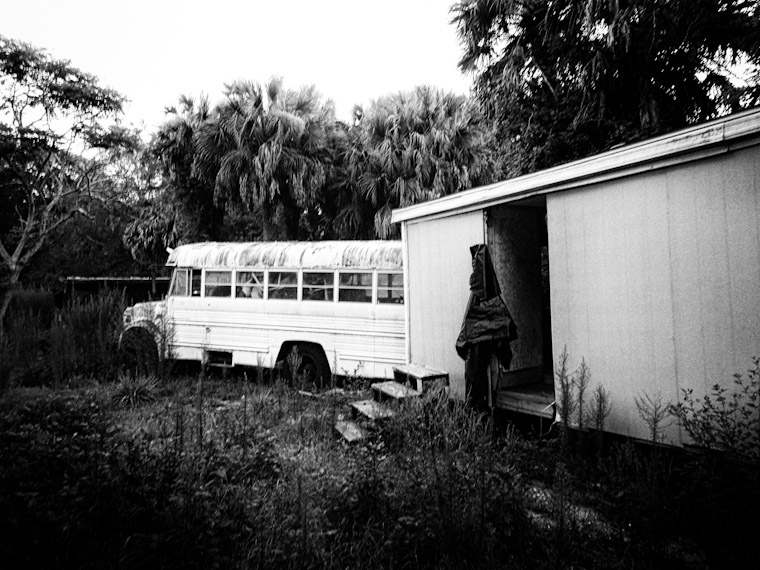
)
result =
(644, 261)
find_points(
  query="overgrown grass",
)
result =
(54, 347)
(246, 473)
(198, 472)
(251, 475)
(673, 508)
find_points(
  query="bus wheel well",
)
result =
(313, 367)
(138, 352)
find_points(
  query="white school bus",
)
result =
(340, 303)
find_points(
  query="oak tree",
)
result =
(52, 134)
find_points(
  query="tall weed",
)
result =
(79, 340)
(438, 490)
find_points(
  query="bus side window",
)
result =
(390, 288)
(195, 282)
(355, 287)
(218, 284)
(283, 285)
(249, 284)
(317, 286)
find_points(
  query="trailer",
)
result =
(643, 261)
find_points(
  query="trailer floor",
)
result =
(536, 399)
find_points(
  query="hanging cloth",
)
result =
(487, 327)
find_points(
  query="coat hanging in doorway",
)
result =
(487, 327)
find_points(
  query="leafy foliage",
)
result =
(725, 420)
(266, 148)
(50, 114)
(88, 246)
(413, 147)
(566, 79)
(274, 163)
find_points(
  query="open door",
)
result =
(517, 240)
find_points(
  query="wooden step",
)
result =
(350, 431)
(392, 390)
(371, 409)
(420, 377)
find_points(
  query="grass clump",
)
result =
(134, 390)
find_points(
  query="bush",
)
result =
(725, 420)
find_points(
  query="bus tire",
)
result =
(313, 371)
(138, 354)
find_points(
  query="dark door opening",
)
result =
(518, 243)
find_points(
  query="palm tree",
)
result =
(267, 150)
(187, 199)
(416, 146)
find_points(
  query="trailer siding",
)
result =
(438, 275)
(655, 280)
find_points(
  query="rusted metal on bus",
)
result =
(306, 255)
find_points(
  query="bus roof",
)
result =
(290, 254)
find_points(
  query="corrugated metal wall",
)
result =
(439, 267)
(655, 280)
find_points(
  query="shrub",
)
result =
(725, 420)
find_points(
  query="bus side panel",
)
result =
(201, 324)
(357, 338)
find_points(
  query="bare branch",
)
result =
(5, 255)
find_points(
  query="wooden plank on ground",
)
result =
(350, 431)
(393, 390)
(372, 409)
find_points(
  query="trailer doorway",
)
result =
(518, 242)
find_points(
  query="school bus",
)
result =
(339, 303)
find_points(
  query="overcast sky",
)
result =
(152, 51)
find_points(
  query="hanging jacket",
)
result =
(487, 317)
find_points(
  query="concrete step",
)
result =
(371, 410)
(392, 390)
(350, 431)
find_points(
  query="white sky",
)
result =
(152, 51)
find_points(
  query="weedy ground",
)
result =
(204, 472)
